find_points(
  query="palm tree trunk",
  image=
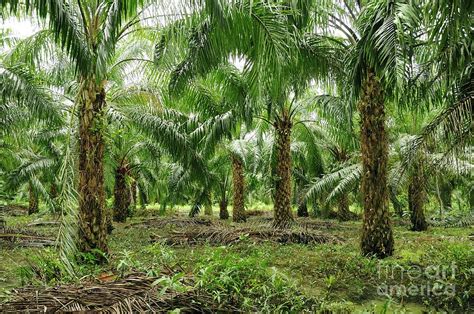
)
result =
(301, 202)
(143, 197)
(122, 195)
(208, 209)
(32, 201)
(446, 195)
(302, 205)
(92, 214)
(134, 194)
(397, 206)
(53, 194)
(302, 209)
(343, 212)
(282, 212)
(208, 204)
(195, 209)
(223, 212)
(238, 209)
(416, 199)
(377, 236)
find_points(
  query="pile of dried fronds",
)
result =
(260, 220)
(222, 235)
(11, 237)
(251, 213)
(42, 223)
(13, 210)
(136, 293)
(461, 221)
(180, 222)
(302, 222)
(401, 222)
(318, 224)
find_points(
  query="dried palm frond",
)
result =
(219, 235)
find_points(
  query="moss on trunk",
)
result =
(92, 214)
(377, 236)
(238, 209)
(282, 210)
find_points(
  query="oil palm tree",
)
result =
(132, 158)
(89, 33)
(333, 132)
(377, 66)
(262, 33)
(38, 159)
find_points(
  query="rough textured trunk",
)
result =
(143, 197)
(301, 202)
(109, 212)
(416, 200)
(53, 194)
(282, 212)
(315, 209)
(397, 206)
(377, 236)
(195, 209)
(343, 212)
(302, 209)
(446, 192)
(92, 214)
(208, 205)
(134, 191)
(122, 195)
(32, 201)
(238, 209)
(302, 205)
(223, 212)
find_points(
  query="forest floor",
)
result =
(252, 268)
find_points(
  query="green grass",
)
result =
(333, 276)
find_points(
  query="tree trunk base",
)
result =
(283, 217)
(238, 182)
(223, 212)
(377, 236)
(302, 210)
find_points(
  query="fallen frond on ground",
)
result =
(136, 293)
(318, 224)
(43, 223)
(13, 210)
(462, 221)
(221, 235)
(160, 222)
(251, 213)
(19, 237)
(302, 222)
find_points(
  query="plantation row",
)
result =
(340, 109)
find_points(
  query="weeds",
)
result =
(247, 282)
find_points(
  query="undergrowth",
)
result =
(248, 282)
(270, 277)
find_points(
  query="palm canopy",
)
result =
(87, 30)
